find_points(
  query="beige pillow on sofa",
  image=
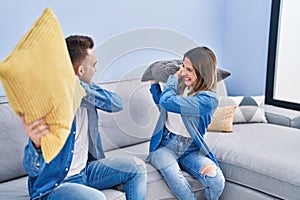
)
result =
(222, 119)
(39, 80)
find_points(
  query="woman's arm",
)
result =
(155, 91)
(101, 98)
(202, 103)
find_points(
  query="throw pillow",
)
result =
(222, 74)
(222, 119)
(39, 81)
(248, 108)
(161, 70)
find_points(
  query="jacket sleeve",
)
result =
(33, 161)
(197, 105)
(101, 98)
(156, 92)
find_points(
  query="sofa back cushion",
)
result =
(135, 123)
(221, 88)
(12, 143)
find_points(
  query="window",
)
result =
(283, 70)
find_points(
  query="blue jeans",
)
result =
(177, 153)
(103, 174)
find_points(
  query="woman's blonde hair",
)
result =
(204, 62)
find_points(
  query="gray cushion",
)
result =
(161, 70)
(261, 156)
(12, 143)
(222, 74)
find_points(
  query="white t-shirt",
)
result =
(81, 147)
(174, 122)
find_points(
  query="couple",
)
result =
(81, 171)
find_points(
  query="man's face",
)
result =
(88, 67)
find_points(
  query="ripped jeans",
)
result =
(177, 152)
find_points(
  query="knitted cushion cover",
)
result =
(222, 120)
(39, 81)
(162, 69)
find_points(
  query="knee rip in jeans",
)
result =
(209, 170)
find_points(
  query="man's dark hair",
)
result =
(77, 47)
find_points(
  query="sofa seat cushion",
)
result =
(261, 156)
(17, 190)
(114, 194)
(245, 193)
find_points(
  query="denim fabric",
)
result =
(196, 112)
(74, 188)
(130, 171)
(171, 153)
(176, 153)
(103, 174)
(46, 180)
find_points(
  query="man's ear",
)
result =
(80, 70)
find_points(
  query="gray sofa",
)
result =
(259, 160)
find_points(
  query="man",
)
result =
(81, 170)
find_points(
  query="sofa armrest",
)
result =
(282, 116)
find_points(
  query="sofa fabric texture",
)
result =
(260, 161)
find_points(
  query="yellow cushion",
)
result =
(223, 119)
(39, 81)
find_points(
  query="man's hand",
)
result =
(35, 130)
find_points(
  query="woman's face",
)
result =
(188, 73)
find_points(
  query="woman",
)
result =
(186, 105)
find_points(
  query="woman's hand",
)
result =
(35, 130)
(179, 72)
(153, 81)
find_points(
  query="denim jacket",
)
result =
(43, 177)
(196, 112)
